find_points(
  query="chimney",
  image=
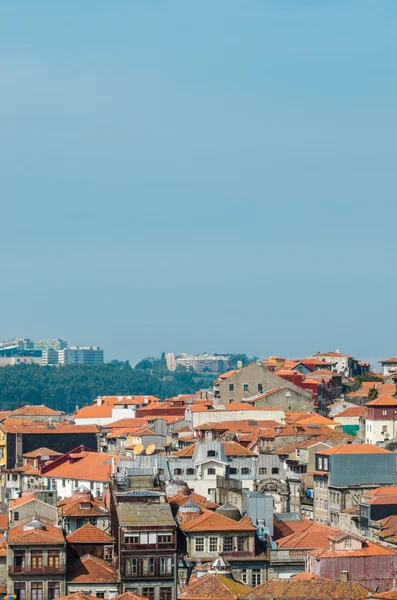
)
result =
(265, 365)
(344, 575)
(99, 401)
(146, 400)
(239, 365)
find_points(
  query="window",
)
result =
(19, 561)
(260, 387)
(231, 387)
(100, 594)
(36, 558)
(20, 590)
(213, 544)
(244, 576)
(160, 471)
(384, 412)
(242, 544)
(256, 577)
(233, 471)
(384, 429)
(211, 471)
(321, 503)
(53, 559)
(148, 592)
(177, 471)
(16, 516)
(165, 538)
(263, 471)
(189, 471)
(63, 482)
(165, 593)
(131, 566)
(325, 504)
(79, 523)
(131, 538)
(165, 565)
(36, 590)
(246, 387)
(320, 462)
(228, 544)
(275, 470)
(348, 542)
(143, 538)
(199, 544)
(211, 453)
(245, 471)
(108, 553)
(148, 565)
(325, 464)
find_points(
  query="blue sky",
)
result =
(200, 176)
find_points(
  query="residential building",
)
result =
(351, 558)
(375, 505)
(145, 533)
(366, 392)
(197, 414)
(251, 382)
(94, 576)
(82, 508)
(49, 356)
(109, 409)
(343, 364)
(218, 582)
(36, 558)
(381, 422)
(88, 540)
(37, 412)
(24, 436)
(82, 467)
(33, 504)
(343, 473)
(389, 366)
(202, 363)
(81, 355)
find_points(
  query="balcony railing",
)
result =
(28, 570)
(287, 555)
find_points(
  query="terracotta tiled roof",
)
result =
(42, 452)
(227, 374)
(389, 595)
(368, 549)
(47, 535)
(212, 521)
(310, 589)
(12, 425)
(314, 418)
(214, 587)
(127, 422)
(315, 536)
(353, 411)
(89, 534)
(354, 449)
(26, 497)
(230, 448)
(3, 521)
(90, 466)
(90, 569)
(383, 401)
(36, 410)
(245, 425)
(384, 389)
(129, 596)
(70, 507)
(308, 576)
(387, 361)
(3, 549)
(180, 500)
(286, 528)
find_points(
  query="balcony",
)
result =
(28, 570)
(287, 556)
(142, 547)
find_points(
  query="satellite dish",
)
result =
(138, 449)
(150, 449)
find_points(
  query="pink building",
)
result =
(350, 558)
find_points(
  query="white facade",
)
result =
(117, 413)
(380, 430)
(66, 487)
(219, 414)
(389, 367)
(81, 355)
(340, 361)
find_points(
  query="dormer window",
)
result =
(85, 505)
(348, 543)
(211, 453)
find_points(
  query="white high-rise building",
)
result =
(81, 355)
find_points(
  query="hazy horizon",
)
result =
(189, 177)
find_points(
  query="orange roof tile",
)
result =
(212, 521)
(201, 501)
(78, 596)
(88, 534)
(383, 401)
(90, 466)
(353, 411)
(230, 448)
(129, 596)
(127, 423)
(392, 360)
(71, 507)
(315, 536)
(12, 425)
(45, 535)
(90, 569)
(213, 586)
(368, 549)
(26, 497)
(311, 589)
(43, 451)
(36, 410)
(355, 449)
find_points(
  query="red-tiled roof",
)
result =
(213, 587)
(26, 497)
(11, 425)
(230, 448)
(45, 535)
(353, 411)
(129, 596)
(88, 534)
(71, 507)
(180, 500)
(3, 521)
(78, 596)
(312, 589)
(212, 521)
(90, 569)
(354, 449)
(368, 549)
(36, 410)
(43, 451)
(383, 401)
(315, 536)
(90, 466)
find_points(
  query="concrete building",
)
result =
(201, 363)
(54, 344)
(389, 366)
(49, 356)
(381, 422)
(81, 355)
(343, 473)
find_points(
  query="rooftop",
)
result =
(354, 449)
(213, 521)
(90, 569)
(309, 589)
(88, 534)
(214, 586)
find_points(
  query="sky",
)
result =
(200, 176)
